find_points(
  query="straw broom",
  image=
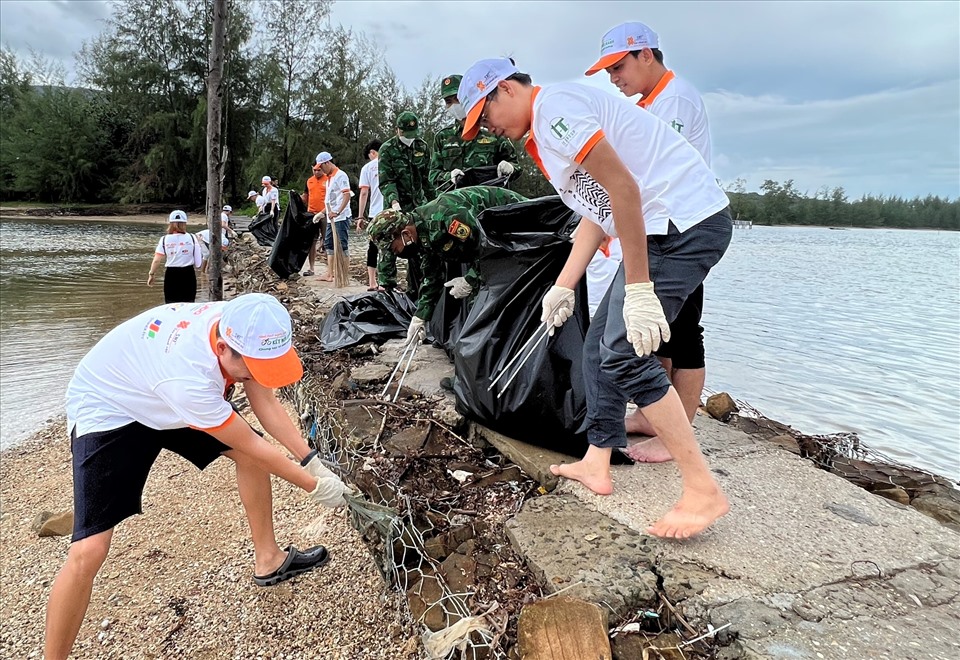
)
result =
(340, 265)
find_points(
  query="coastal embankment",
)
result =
(470, 529)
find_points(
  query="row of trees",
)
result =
(134, 131)
(784, 204)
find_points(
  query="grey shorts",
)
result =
(613, 372)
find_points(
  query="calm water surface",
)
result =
(63, 285)
(844, 330)
(852, 330)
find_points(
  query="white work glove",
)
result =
(459, 287)
(417, 332)
(505, 168)
(557, 307)
(456, 175)
(643, 316)
(330, 489)
(395, 206)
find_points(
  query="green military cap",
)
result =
(449, 86)
(408, 124)
(385, 226)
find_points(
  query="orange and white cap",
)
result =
(620, 40)
(479, 80)
(258, 327)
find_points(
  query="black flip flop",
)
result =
(296, 563)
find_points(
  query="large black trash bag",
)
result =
(292, 244)
(375, 316)
(264, 228)
(524, 247)
(450, 314)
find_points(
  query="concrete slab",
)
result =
(792, 527)
(583, 553)
(533, 460)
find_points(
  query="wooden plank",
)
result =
(563, 629)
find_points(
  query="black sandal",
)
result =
(296, 563)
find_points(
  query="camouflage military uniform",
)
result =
(452, 152)
(447, 232)
(403, 178)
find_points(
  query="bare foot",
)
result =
(268, 563)
(326, 278)
(637, 424)
(648, 451)
(596, 478)
(691, 515)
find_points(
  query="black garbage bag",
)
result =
(374, 316)
(264, 228)
(523, 249)
(450, 314)
(291, 246)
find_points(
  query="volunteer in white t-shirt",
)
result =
(183, 256)
(257, 199)
(337, 209)
(271, 198)
(370, 191)
(226, 213)
(161, 381)
(204, 237)
(630, 176)
(630, 54)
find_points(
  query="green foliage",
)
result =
(782, 204)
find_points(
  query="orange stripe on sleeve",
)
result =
(229, 420)
(591, 143)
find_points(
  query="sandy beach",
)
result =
(177, 583)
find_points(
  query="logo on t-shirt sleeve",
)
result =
(560, 129)
(153, 329)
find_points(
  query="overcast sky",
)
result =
(862, 95)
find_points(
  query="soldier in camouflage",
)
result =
(446, 231)
(452, 154)
(404, 183)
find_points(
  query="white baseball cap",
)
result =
(265, 179)
(620, 40)
(227, 208)
(479, 80)
(324, 157)
(258, 327)
(177, 216)
(252, 193)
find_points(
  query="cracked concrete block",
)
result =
(569, 545)
(748, 619)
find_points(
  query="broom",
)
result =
(341, 265)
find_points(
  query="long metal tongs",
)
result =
(412, 350)
(541, 333)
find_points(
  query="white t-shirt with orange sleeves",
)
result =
(180, 250)
(675, 183)
(271, 196)
(159, 369)
(678, 103)
(338, 183)
(370, 179)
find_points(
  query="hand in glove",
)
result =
(643, 316)
(416, 333)
(505, 168)
(395, 206)
(455, 176)
(459, 287)
(557, 307)
(330, 489)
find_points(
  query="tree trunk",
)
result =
(214, 162)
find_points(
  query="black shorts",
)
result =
(372, 255)
(110, 469)
(685, 347)
(179, 284)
